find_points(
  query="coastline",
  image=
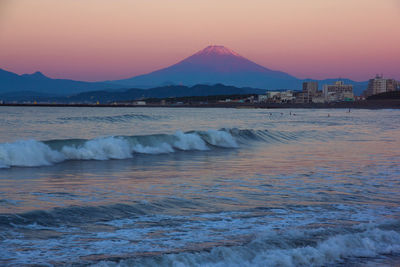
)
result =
(367, 104)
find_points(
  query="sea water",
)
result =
(199, 187)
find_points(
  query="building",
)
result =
(309, 92)
(287, 96)
(250, 99)
(338, 92)
(276, 97)
(280, 97)
(262, 98)
(318, 97)
(310, 87)
(301, 97)
(273, 94)
(391, 85)
(380, 85)
(139, 103)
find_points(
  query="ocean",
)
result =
(199, 187)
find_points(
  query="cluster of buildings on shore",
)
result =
(310, 93)
(336, 92)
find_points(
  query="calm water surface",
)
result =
(199, 187)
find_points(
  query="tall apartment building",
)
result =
(310, 87)
(338, 92)
(310, 90)
(380, 85)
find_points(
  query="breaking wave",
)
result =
(337, 249)
(31, 153)
(214, 239)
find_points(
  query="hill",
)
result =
(158, 92)
(11, 83)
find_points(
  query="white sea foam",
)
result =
(221, 138)
(189, 141)
(99, 149)
(160, 149)
(30, 153)
(336, 249)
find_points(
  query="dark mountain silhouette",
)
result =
(158, 92)
(37, 76)
(216, 64)
(212, 65)
(10, 83)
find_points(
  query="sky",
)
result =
(96, 40)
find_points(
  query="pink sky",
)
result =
(105, 40)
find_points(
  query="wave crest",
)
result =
(28, 153)
(31, 153)
(99, 149)
(335, 250)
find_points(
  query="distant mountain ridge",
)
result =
(212, 65)
(158, 92)
(36, 75)
(37, 82)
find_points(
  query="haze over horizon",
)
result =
(99, 40)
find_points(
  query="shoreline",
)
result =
(367, 104)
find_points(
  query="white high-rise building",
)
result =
(338, 92)
(380, 85)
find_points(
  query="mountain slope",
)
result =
(212, 65)
(37, 82)
(216, 64)
(158, 92)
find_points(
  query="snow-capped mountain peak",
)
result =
(217, 50)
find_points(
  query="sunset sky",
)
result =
(104, 40)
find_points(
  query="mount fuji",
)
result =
(212, 65)
(215, 64)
